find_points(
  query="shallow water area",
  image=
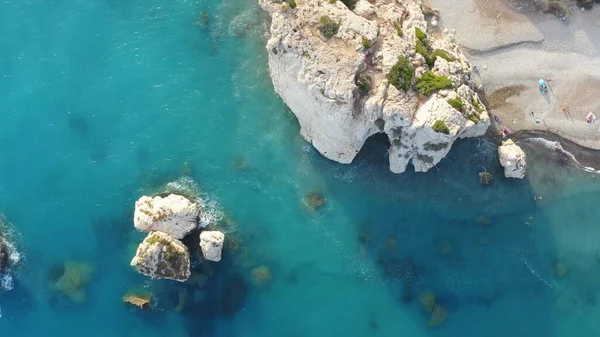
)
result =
(106, 100)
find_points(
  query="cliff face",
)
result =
(331, 65)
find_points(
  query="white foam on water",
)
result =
(211, 213)
(6, 281)
(556, 146)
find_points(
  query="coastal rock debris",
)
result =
(319, 79)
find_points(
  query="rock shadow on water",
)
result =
(437, 245)
(79, 126)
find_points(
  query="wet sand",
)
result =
(513, 49)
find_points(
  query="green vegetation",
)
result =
(478, 108)
(443, 54)
(456, 103)
(440, 127)
(430, 82)
(421, 36)
(398, 28)
(473, 118)
(332, 1)
(328, 27)
(423, 47)
(476, 116)
(366, 43)
(401, 74)
(363, 82)
(292, 3)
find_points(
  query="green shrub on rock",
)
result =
(421, 49)
(398, 28)
(456, 103)
(366, 43)
(400, 76)
(430, 82)
(292, 3)
(421, 36)
(363, 82)
(440, 127)
(443, 54)
(328, 27)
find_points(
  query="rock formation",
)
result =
(211, 243)
(348, 74)
(513, 159)
(161, 256)
(174, 215)
(3, 254)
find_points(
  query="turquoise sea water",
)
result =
(103, 100)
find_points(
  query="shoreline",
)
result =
(512, 50)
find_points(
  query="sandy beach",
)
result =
(514, 47)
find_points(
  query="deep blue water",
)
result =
(104, 100)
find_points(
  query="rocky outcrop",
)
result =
(161, 256)
(174, 215)
(3, 254)
(513, 159)
(211, 243)
(337, 71)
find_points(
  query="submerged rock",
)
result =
(486, 178)
(161, 256)
(438, 316)
(560, 270)
(211, 243)
(138, 299)
(427, 300)
(347, 75)
(73, 280)
(261, 276)
(513, 159)
(174, 215)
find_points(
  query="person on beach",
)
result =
(542, 86)
(590, 118)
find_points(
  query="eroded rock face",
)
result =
(211, 243)
(317, 78)
(513, 159)
(174, 215)
(161, 256)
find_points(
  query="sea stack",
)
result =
(169, 220)
(161, 256)
(350, 73)
(513, 159)
(174, 215)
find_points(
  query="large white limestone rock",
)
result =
(513, 159)
(174, 215)
(161, 256)
(317, 78)
(211, 243)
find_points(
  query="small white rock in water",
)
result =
(513, 159)
(174, 215)
(211, 243)
(434, 22)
